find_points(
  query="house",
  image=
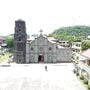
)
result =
(82, 68)
(76, 47)
(64, 43)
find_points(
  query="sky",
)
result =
(47, 15)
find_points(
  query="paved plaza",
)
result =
(35, 77)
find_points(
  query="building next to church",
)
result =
(41, 49)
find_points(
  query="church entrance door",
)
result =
(41, 58)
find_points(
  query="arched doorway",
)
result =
(41, 58)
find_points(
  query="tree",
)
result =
(71, 33)
(85, 44)
(9, 41)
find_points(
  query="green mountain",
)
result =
(71, 33)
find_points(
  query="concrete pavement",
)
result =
(34, 77)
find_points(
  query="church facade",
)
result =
(39, 50)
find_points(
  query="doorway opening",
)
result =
(41, 58)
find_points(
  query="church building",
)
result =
(39, 50)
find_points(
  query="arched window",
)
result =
(19, 30)
(19, 38)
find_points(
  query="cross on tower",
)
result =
(41, 31)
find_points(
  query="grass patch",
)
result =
(4, 57)
(82, 82)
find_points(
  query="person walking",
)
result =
(46, 68)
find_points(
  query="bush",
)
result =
(85, 81)
(81, 77)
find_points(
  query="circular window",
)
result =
(19, 25)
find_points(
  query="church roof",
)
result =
(52, 38)
(60, 46)
(51, 41)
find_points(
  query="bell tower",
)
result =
(20, 38)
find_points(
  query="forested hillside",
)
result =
(71, 33)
